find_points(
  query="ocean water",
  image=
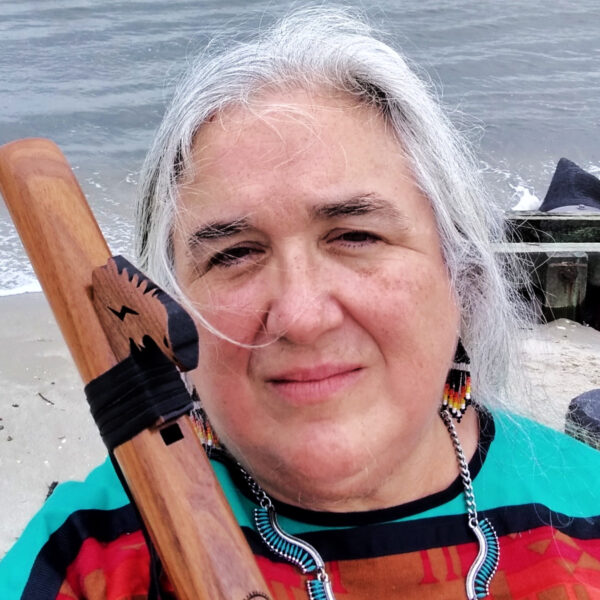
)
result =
(522, 78)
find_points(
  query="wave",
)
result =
(25, 288)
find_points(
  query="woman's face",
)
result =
(303, 238)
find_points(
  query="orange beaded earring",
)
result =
(457, 391)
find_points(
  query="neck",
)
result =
(430, 468)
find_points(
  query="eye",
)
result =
(234, 256)
(355, 238)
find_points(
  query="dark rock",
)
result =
(583, 418)
(51, 489)
(571, 186)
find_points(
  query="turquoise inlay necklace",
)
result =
(290, 548)
(305, 557)
(484, 566)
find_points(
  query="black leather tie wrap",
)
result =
(135, 393)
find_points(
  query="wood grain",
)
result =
(206, 546)
(131, 306)
(63, 241)
(197, 538)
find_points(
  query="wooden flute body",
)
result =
(202, 548)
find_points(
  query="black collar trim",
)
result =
(386, 539)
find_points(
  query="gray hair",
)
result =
(330, 48)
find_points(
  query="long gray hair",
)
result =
(325, 48)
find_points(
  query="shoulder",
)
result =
(540, 490)
(75, 512)
(530, 464)
(89, 527)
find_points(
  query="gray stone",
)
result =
(583, 418)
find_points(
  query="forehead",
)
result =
(311, 115)
(303, 146)
(280, 130)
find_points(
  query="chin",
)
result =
(318, 476)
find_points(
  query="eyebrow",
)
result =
(358, 205)
(355, 206)
(217, 230)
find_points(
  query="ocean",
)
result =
(521, 77)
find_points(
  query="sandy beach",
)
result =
(47, 434)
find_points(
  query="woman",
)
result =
(311, 205)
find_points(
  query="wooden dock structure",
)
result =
(562, 254)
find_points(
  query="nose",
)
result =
(304, 303)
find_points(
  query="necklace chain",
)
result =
(463, 466)
(307, 558)
(261, 496)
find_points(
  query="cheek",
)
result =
(413, 312)
(238, 314)
(223, 364)
(221, 378)
(221, 383)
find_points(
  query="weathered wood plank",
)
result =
(548, 247)
(565, 277)
(553, 227)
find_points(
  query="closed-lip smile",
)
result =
(314, 384)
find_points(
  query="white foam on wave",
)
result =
(16, 274)
(26, 288)
(522, 195)
(526, 199)
(594, 170)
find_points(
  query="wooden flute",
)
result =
(186, 515)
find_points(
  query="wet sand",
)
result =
(47, 434)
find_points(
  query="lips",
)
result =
(315, 384)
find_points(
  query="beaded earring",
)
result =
(206, 434)
(457, 391)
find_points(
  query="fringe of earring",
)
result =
(206, 434)
(457, 391)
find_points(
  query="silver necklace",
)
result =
(477, 584)
(289, 547)
(309, 561)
